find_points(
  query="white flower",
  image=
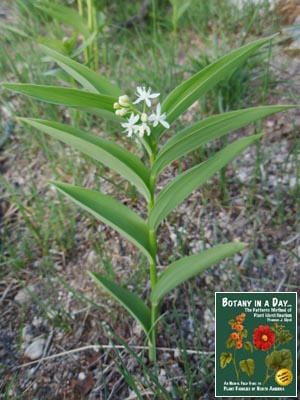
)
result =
(159, 118)
(145, 95)
(141, 129)
(130, 126)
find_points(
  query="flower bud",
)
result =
(144, 117)
(117, 106)
(124, 101)
(121, 112)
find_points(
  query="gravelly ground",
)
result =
(252, 213)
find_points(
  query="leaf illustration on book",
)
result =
(282, 335)
(279, 359)
(230, 343)
(248, 366)
(248, 346)
(225, 359)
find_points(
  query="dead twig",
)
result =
(110, 347)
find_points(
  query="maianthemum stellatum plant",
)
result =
(146, 119)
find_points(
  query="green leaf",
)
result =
(133, 304)
(184, 95)
(187, 267)
(244, 333)
(89, 79)
(66, 15)
(225, 359)
(111, 212)
(279, 359)
(248, 366)
(282, 335)
(55, 44)
(179, 8)
(87, 42)
(64, 96)
(16, 31)
(108, 153)
(248, 346)
(230, 343)
(95, 103)
(204, 131)
(184, 184)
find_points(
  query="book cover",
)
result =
(256, 344)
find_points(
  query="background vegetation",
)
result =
(47, 244)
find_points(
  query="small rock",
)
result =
(23, 296)
(270, 124)
(137, 330)
(188, 324)
(243, 176)
(35, 350)
(294, 182)
(176, 353)
(237, 258)
(209, 320)
(271, 259)
(81, 376)
(27, 333)
(162, 378)
(37, 321)
(37, 264)
(92, 258)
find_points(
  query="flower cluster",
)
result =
(263, 337)
(237, 325)
(139, 122)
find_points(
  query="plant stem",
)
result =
(153, 280)
(267, 377)
(90, 25)
(80, 8)
(235, 367)
(154, 23)
(96, 45)
(80, 12)
(153, 333)
(153, 271)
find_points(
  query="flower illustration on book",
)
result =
(236, 341)
(265, 338)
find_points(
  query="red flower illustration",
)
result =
(263, 337)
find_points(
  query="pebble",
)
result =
(188, 324)
(23, 296)
(27, 333)
(37, 321)
(81, 376)
(176, 353)
(241, 3)
(137, 330)
(243, 176)
(209, 320)
(162, 378)
(35, 349)
(294, 182)
(92, 258)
